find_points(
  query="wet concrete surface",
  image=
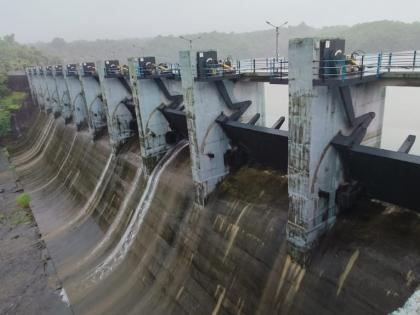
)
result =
(28, 282)
(229, 257)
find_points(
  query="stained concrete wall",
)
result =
(53, 96)
(118, 116)
(47, 92)
(32, 86)
(152, 125)
(208, 142)
(95, 108)
(35, 90)
(370, 97)
(40, 90)
(316, 115)
(77, 100)
(63, 96)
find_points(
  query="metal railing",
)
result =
(257, 66)
(158, 70)
(117, 71)
(367, 65)
(271, 66)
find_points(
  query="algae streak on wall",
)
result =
(125, 243)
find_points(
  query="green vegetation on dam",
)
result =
(126, 243)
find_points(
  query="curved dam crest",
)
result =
(228, 257)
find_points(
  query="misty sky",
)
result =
(42, 20)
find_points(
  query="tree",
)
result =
(9, 38)
(58, 43)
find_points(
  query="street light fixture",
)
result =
(277, 28)
(190, 40)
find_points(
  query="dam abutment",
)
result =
(249, 219)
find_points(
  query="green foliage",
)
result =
(8, 104)
(6, 153)
(23, 200)
(20, 216)
(17, 217)
(15, 56)
(5, 123)
(13, 101)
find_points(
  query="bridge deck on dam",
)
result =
(125, 243)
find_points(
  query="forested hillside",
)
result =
(13, 56)
(369, 37)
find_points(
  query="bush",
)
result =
(5, 123)
(23, 200)
(9, 104)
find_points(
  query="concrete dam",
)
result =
(159, 189)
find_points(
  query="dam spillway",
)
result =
(229, 257)
(151, 225)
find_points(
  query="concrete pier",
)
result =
(54, 98)
(63, 94)
(149, 94)
(203, 105)
(48, 89)
(317, 112)
(34, 83)
(116, 94)
(76, 96)
(93, 97)
(32, 88)
(39, 85)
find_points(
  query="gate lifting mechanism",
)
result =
(49, 70)
(209, 66)
(71, 70)
(335, 66)
(58, 70)
(147, 68)
(114, 69)
(89, 69)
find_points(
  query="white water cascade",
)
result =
(120, 251)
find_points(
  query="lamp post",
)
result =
(190, 40)
(277, 28)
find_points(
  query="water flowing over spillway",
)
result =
(112, 229)
(133, 228)
(124, 242)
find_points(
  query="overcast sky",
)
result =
(42, 20)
